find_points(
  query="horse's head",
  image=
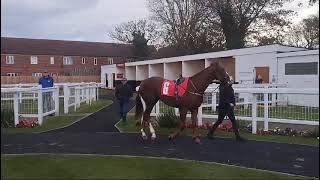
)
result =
(218, 73)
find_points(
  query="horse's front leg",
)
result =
(183, 114)
(195, 136)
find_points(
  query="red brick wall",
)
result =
(22, 64)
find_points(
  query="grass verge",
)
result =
(62, 120)
(106, 167)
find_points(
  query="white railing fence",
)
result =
(34, 101)
(279, 105)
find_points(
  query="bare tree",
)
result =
(125, 31)
(306, 33)
(185, 24)
(240, 18)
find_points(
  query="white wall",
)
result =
(142, 72)
(190, 68)
(172, 70)
(245, 65)
(130, 72)
(300, 81)
(156, 70)
(107, 69)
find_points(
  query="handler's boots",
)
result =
(210, 134)
(238, 137)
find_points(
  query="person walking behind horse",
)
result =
(123, 94)
(226, 107)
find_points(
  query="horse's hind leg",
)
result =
(143, 134)
(146, 119)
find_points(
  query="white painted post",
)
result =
(254, 114)
(16, 108)
(273, 99)
(20, 93)
(40, 106)
(97, 94)
(266, 111)
(77, 98)
(157, 108)
(66, 93)
(176, 111)
(246, 101)
(214, 101)
(56, 101)
(94, 92)
(87, 94)
(199, 116)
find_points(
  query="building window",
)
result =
(37, 74)
(110, 60)
(83, 60)
(51, 60)
(12, 74)
(95, 61)
(308, 68)
(9, 59)
(34, 60)
(67, 60)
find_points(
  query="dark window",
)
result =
(301, 68)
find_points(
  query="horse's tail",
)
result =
(139, 109)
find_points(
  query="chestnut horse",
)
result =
(149, 94)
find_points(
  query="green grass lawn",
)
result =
(104, 167)
(131, 127)
(61, 120)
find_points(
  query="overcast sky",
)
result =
(84, 20)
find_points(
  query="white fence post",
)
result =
(176, 111)
(266, 111)
(56, 101)
(214, 101)
(199, 116)
(157, 108)
(76, 98)
(16, 108)
(66, 93)
(273, 99)
(40, 106)
(97, 94)
(254, 114)
(87, 94)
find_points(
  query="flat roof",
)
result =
(276, 48)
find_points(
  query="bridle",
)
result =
(197, 93)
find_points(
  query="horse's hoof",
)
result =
(170, 137)
(153, 138)
(197, 140)
(144, 137)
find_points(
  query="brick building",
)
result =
(31, 57)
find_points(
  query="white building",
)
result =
(297, 67)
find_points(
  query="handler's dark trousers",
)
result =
(124, 106)
(225, 109)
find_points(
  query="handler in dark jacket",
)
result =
(226, 107)
(123, 94)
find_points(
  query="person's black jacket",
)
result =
(226, 95)
(123, 92)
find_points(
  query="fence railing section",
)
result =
(280, 105)
(37, 102)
